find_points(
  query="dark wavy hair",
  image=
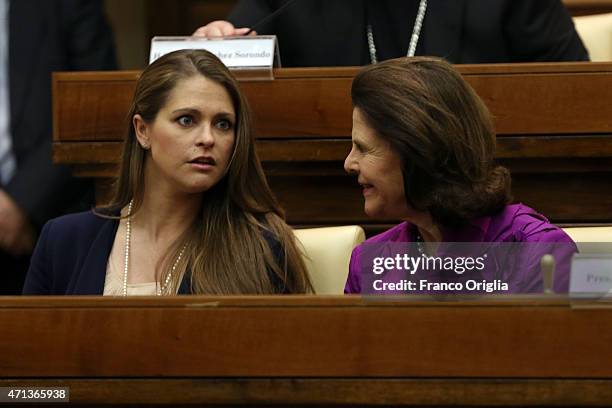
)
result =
(442, 132)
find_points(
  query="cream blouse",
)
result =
(113, 283)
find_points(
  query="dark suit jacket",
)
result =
(72, 254)
(333, 32)
(47, 36)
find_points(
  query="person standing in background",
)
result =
(38, 37)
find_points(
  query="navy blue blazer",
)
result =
(71, 256)
(72, 253)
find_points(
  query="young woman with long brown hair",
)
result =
(192, 212)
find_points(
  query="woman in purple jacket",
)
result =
(423, 150)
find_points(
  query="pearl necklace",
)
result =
(126, 261)
(414, 39)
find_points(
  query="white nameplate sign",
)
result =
(591, 274)
(236, 52)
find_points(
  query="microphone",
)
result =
(547, 266)
(270, 17)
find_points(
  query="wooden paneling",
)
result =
(291, 150)
(349, 350)
(95, 102)
(586, 7)
(529, 99)
(330, 199)
(305, 337)
(554, 135)
(553, 121)
(353, 393)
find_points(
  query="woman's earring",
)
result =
(145, 146)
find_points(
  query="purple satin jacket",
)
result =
(517, 223)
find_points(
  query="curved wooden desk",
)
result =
(315, 351)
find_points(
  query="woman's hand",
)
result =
(221, 28)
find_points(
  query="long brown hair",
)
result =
(442, 132)
(227, 248)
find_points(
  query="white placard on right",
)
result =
(591, 275)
